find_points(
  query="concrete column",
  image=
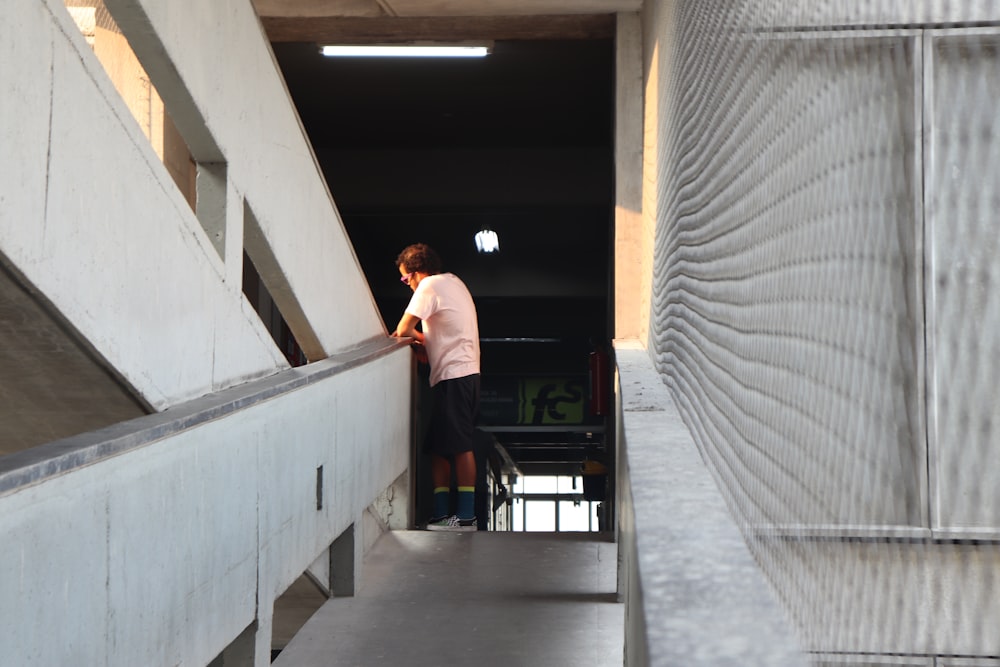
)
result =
(211, 203)
(628, 176)
(262, 637)
(233, 241)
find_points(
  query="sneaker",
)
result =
(452, 523)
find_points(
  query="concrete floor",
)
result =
(513, 599)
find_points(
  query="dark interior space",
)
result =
(433, 150)
(520, 142)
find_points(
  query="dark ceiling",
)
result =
(527, 93)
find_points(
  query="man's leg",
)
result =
(441, 476)
(465, 468)
(465, 472)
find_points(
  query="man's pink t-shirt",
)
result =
(451, 330)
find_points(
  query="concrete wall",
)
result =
(160, 540)
(165, 539)
(92, 219)
(241, 101)
(822, 208)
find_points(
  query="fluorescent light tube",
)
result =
(405, 50)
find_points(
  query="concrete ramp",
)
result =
(483, 598)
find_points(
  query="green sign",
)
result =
(524, 401)
(554, 401)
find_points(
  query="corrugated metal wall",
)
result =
(826, 192)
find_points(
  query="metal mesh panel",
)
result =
(826, 203)
(963, 205)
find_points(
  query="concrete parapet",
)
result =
(163, 539)
(694, 594)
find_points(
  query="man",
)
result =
(449, 334)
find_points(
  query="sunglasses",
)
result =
(406, 279)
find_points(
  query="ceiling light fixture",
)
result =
(487, 240)
(406, 50)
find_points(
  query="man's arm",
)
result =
(407, 327)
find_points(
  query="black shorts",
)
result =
(453, 416)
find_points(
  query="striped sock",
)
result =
(466, 502)
(442, 501)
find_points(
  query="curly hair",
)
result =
(420, 257)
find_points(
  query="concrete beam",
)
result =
(440, 8)
(156, 59)
(509, 7)
(366, 30)
(316, 8)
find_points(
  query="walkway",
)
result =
(457, 599)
